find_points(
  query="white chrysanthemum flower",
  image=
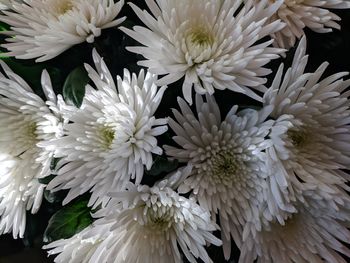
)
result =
(298, 14)
(313, 234)
(213, 44)
(311, 137)
(25, 122)
(111, 137)
(229, 171)
(143, 224)
(43, 29)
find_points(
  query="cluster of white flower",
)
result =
(272, 179)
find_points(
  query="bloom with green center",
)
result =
(212, 44)
(112, 137)
(143, 224)
(229, 169)
(26, 121)
(311, 133)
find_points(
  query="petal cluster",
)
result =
(19, 191)
(143, 224)
(43, 29)
(229, 169)
(309, 151)
(212, 44)
(313, 234)
(311, 139)
(301, 14)
(26, 121)
(111, 137)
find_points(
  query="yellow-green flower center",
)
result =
(160, 219)
(64, 6)
(298, 137)
(107, 136)
(160, 222)
(225, 166)
(201, 37)
(30, 131)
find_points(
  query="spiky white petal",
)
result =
(82, 246)
(19, 191)
(111, 137)
(25, 122)
(229, 165)
(301, 14)
(142, 225)
(4, 4)
(43, 29)
(315, 233)
(311, 145)
(213, 44)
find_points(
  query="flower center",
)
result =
(107, 135)
(225, 166)
(200, 37)
(298, 137)
(159, 218)
(160, 222)
(63, 6)
(30, 132)
(199, 41)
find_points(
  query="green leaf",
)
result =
(74, 86)
(68, 221)
(54, 162)
(4, 26)
(47, 179)
(162, 165)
